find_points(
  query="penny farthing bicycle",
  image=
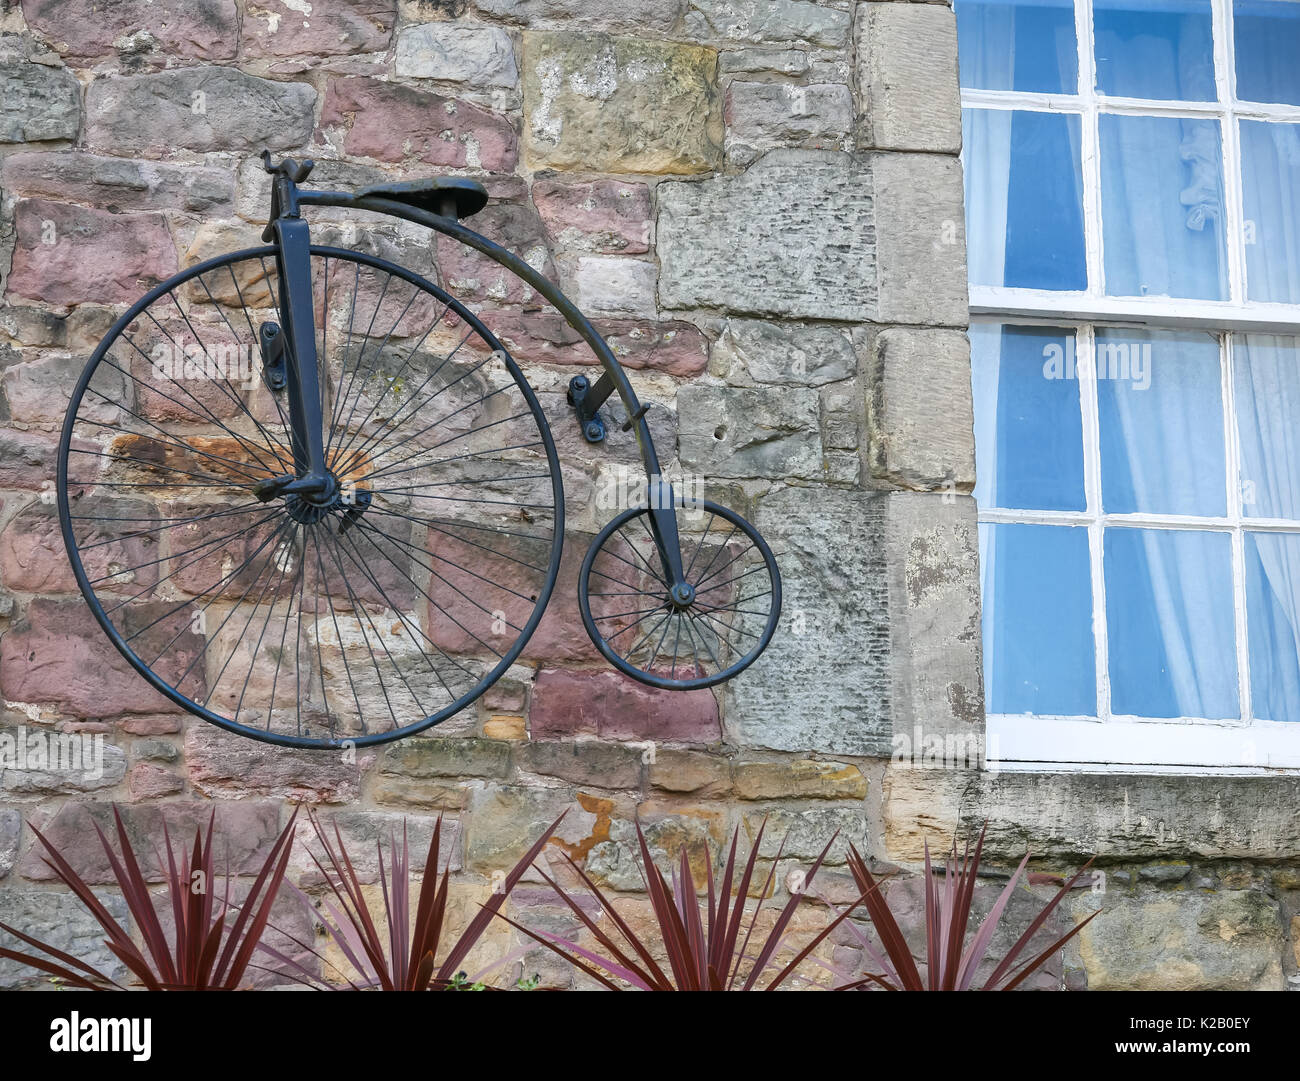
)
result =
(310, 497)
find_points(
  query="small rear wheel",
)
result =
(708, 634)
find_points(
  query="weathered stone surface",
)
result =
(474, 277)
(673, 347)
(620, 105)
(204, 108)
(28, 459)
(457, 53)
(920, 430)
(659, 15)
(920, 239)
(1073, 816)
(57, 656)
(33, 558)
(793, 355)
(503, 823)
(118, 183)
(197, 29)
(825, 682)
(767, 21)
(364, 833)
(439, 757)
(761, 116)
(246, 831)
(52, 763)
(147, 781)
(37, 102)
(62, 921)
(799, 778)
(841, 408)
(585, 762)
(744, 244)
(609, 704)
(703, 776)
(907, 77)
(749, 431)
(1226, 941)
(669, 828)
(801, 833)
(392, 123)
(11, 833)
(608, 284)
(320, 28)
(69, 254)
(506, 726)
(761, 60)
(932, 556)
(225, 764)
(608, 217)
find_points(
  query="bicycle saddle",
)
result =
(457, 196)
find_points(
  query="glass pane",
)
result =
(1155, 49)
(1160, 415)
(1024, 199)
(1017, 45)
(1267, 41)
(1266, 372)
(1038, 644)
(1162, 207)
(1273, 624)
(1270, 172)
(1028, 428)
(1169, 621)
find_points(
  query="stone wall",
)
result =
(760, 203)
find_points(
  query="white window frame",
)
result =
(1109, 742)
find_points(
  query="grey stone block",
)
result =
(920, 238)
(907, 77)
(762, 116)
(825, 682)
(37, 102)
(205, 108)
(749, 431)
(455, 52)
(1071, 816)
(11, 832)
(792, 236)
(931, 552)
(1229, 941)
(58, 918)
(920, 429)
(661, 15)
(781, 353)
(767, 22)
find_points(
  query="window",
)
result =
(1133, 227)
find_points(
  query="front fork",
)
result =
(290, 362)
(586, 399)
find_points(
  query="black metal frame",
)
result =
(290, 364)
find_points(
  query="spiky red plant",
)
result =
(707, 950)
(212, 942)
(951, 964)
(394, 955)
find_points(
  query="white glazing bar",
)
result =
(1090, 140)
(1232, 456)
(1086, 367)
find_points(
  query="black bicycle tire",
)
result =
(648, 678)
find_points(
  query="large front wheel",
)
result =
(360, 617)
